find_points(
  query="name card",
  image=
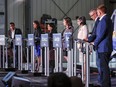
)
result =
(18, 40)
(44, 40)
(30, 40)
(67, 39)
(2, 39)
(57, 40)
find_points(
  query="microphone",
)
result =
(74, 32)
(71, 38)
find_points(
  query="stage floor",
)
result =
(43, 80)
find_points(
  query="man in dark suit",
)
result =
(11, 35)
(103, 45)
(94, 16)
(13, 31)
(92, 37)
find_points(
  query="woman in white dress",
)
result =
(82, 34)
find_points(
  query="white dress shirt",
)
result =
(12, 34)
(102, 17)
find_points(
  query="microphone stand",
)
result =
(70, 51)
(71, 38)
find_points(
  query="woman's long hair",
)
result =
(54, 30)
(83, 19)
(38, 26)
(37, 23)
(68, 21)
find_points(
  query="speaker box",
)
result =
(20, 82)
(8, 78)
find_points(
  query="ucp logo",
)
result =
(30, 38)
(67, 37)
(44, 39)
(57, 39)
(18, 39)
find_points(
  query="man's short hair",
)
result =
(102, 8)
(12, 23)
(92, 10)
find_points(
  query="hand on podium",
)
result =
(86, 40)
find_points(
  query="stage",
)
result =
(29, 80)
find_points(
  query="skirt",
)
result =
(37, 51)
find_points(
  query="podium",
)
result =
(45, 45)
(18, 43)
(30, 44)
(85, 66)
(69, 47)
(57, 44)
(2, 53)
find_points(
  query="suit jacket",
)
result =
(93, 35)
(17, 31)
(37, 34)
(104, 30)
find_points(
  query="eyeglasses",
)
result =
(92, 15)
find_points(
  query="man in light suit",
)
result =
(103, 45)
(11, 35)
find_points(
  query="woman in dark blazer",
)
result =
(37, 34)
(67, 22)
(51, 29)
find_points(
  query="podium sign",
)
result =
(57, 40)
(18, 40)
(44, 40)
(2, 39)
(30, 40)
(67, 39)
